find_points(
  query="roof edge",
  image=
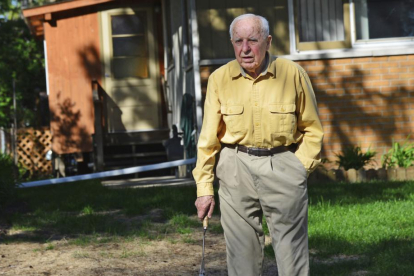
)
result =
(61, 6)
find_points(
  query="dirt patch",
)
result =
(172, 254)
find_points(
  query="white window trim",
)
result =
(359, 48)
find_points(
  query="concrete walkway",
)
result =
(148, 182)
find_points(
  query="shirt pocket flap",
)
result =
(282, 108)
(231, 109)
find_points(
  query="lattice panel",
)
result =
(32, 146)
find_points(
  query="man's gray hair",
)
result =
(263, 21)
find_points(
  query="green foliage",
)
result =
(354, 158)
(21, 60)
(399, 155)
(7, 182)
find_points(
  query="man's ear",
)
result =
(268, 42)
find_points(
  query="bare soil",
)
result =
(172, 254)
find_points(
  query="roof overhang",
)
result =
(36, 16)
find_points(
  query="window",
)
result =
(322, 24)
(384, 19)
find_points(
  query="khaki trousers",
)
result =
(273, 186)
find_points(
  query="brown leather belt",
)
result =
(261, 151)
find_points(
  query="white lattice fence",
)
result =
(32, 146)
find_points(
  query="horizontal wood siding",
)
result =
(73, 62)
(215, 16)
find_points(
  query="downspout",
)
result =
(46, 67)
(196, 68)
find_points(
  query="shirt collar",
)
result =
(236, 70)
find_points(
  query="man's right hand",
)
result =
(205, 206)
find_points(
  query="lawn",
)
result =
(354, 229)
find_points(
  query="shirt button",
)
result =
(257, 124)
(255, 104)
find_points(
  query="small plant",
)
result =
(399, 156)
(354, 158)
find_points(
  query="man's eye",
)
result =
(238, 42)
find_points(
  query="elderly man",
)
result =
(261, 120)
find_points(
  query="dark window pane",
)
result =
(129, 46)
(384, 18)
(128, 24)
(130, 68)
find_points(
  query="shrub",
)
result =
(354, 158)
(399, 155)
(7, 179)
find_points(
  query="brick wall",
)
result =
(366, 102)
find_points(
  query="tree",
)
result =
(21, 59)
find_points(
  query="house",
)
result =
(140, 58)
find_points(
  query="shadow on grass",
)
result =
(334, 256)
(88, 208)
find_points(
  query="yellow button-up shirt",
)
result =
(277, 108)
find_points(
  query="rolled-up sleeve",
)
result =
(308, 125)
(208, 143)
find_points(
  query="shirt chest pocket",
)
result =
(233, 118)
(282, 118)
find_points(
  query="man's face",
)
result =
(250, 46)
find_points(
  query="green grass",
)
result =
(352, 227)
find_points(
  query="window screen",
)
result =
(320, 20)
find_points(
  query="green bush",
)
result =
(399, 156)
(354, 158)
(7, 179)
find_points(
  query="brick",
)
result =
(390, 64)
(376, 83)
(350, 84)
(371, 78)
(380, 71)
(335, 67)
(407, 76)
(353, 90)
(375, 102)
(410, 57)
(353, 67)
(407, 63)
(334, 80)
(379, 59)
(318, 80)
(306, 63)
(324, 86)
(391, 77)
(316, 68)
(325, 62)
(399, 82)
(362, 60)
(393, 113)
(335, 91)
(398, 70)
(371, 65)
(344, 61)
(397, 58)
(347, 73)
(390, 89)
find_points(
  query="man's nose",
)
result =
(245, 46)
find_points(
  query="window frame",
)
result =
(324, 45)
(354, 48)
